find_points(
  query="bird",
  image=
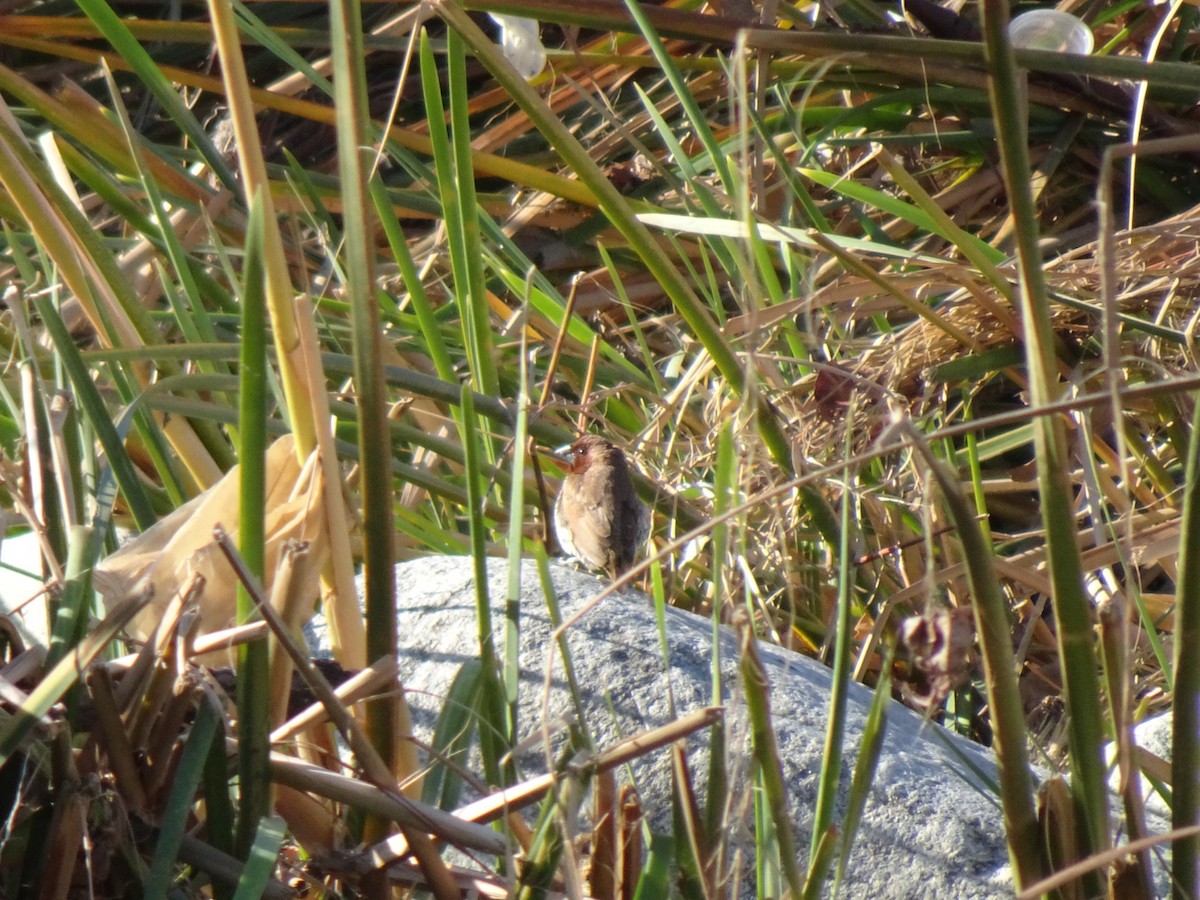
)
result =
(598, 518)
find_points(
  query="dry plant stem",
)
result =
(56, 682)
(347, 635)
(588, 383)
(142, 716)
(208, 643)
(133, 684)
(297, 389)
(556, 348)
(508, 800)
(684, 788)
(1059, 829)
(474, 884)
(629, 853)
(163, 747)
(543, 500)
(1099, 861)
(26, 663)
(228, 638)
(548, 539)
(10, 693)
(66, 836)
(1185, 807)
(35, 447)
(602, 872)
(368, 681)
(374, 767)
(111, 730)
(1114, 642)
(338, 714)
(413, 816)
(281, 663)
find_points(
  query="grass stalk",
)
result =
(495, 740)
(870, 749)
(253, 697)
(89, 399)
(831, 758)
(179, 805)
(1004, 697)
(766, 755)
(353, 156)
(293, 374)
(1071, 605)
(511, 663)
(1185, 726)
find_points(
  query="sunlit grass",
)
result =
(781, 269)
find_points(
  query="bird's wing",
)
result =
(637, 522)
(601, 499)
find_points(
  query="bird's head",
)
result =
(586, 452)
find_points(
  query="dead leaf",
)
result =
(166, 557)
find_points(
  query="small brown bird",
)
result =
(597, 517)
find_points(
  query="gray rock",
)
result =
(1154, 735)
(22, 597)
(931, 827)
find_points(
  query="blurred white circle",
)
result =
(1049, 29)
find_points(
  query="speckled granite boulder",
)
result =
(931, 828)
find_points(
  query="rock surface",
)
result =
(931, 827)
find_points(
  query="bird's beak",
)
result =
(561, 455)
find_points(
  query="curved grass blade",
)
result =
(261, 863)
(123, 41)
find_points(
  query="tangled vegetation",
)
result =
(897, 327)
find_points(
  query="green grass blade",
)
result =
(1004, 697)
(452, 736)
(1185, 727)
(181, 800)
(354, 158)
(254, 667)
(1072, 607)
(264, 853)
(123, 41)
(90, 401)
(831, 759)
(766, 754)
(869, 750)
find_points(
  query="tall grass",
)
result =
(805, 267)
